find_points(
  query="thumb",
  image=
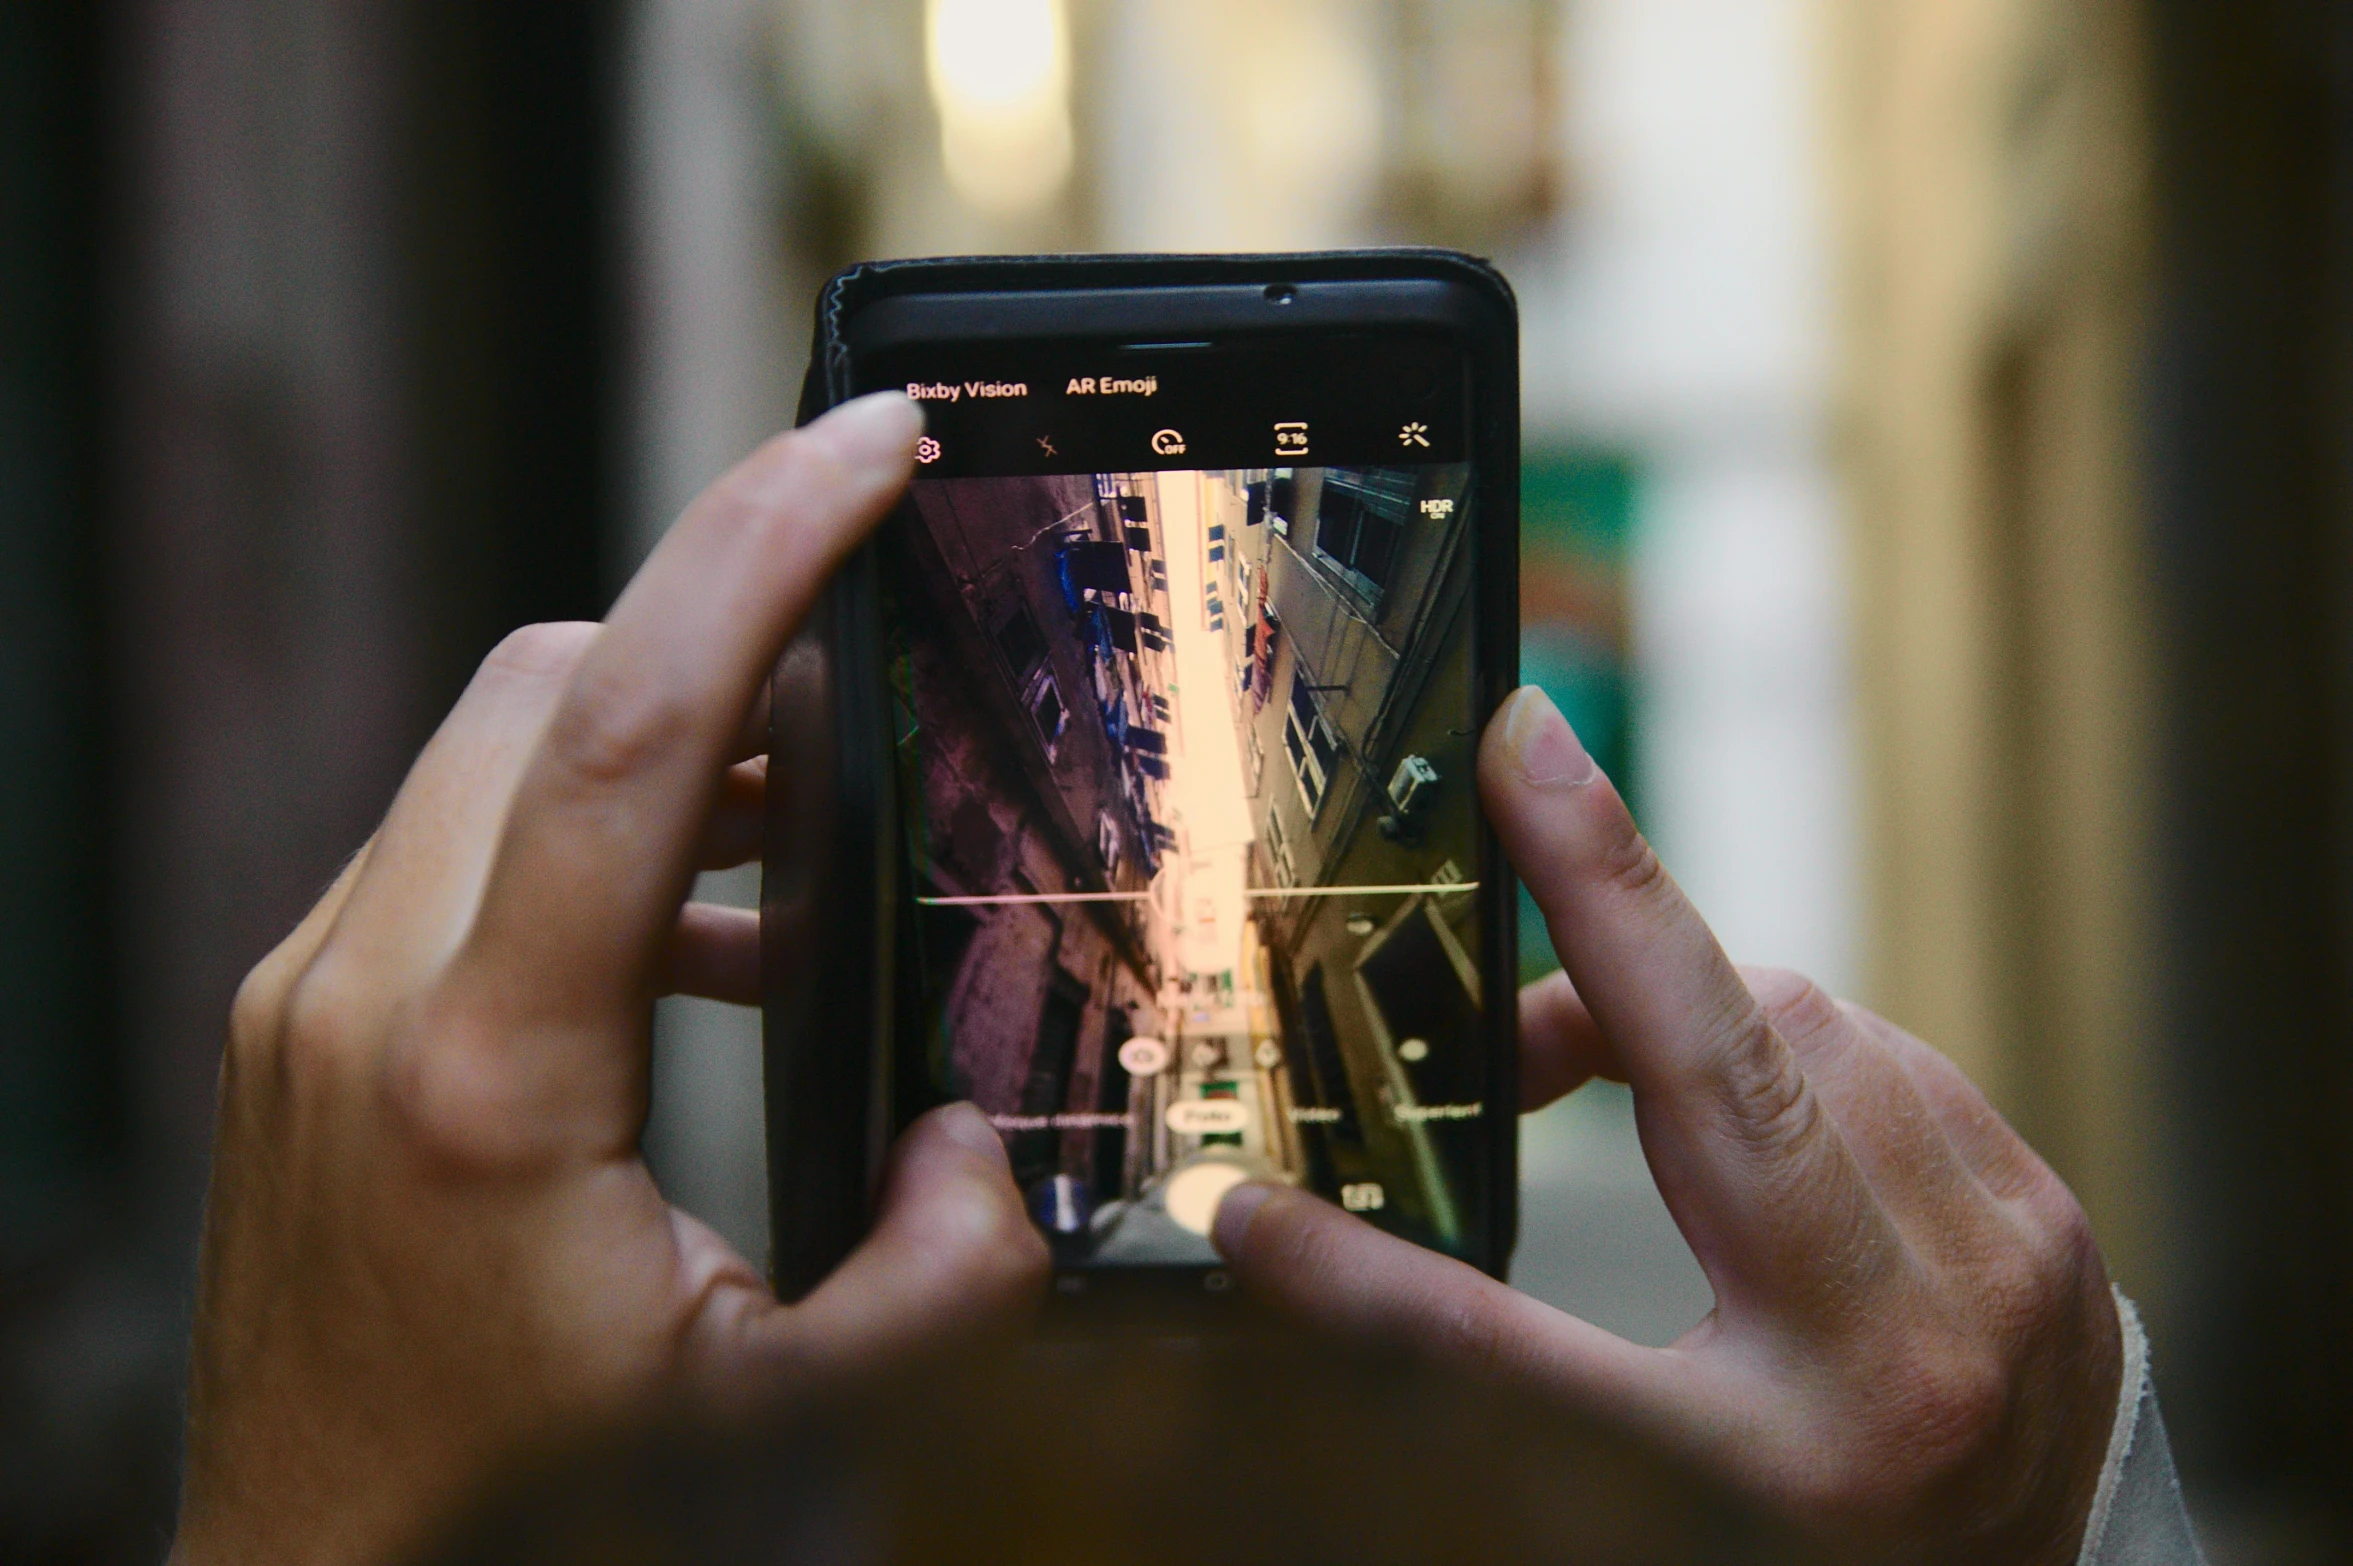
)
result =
(1330, 1272)
(952, 1257)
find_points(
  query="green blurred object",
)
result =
(1577, 517)
(1583, 500)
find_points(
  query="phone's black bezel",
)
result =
(831, 928)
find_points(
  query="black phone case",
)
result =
(831, 933)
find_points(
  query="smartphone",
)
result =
(1146, 818)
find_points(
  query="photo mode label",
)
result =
(1208, 1116)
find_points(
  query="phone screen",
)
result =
(1181, 647)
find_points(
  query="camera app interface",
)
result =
(1189, 757)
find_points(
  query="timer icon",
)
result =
(927, 450)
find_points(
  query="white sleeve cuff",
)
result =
(2138, 1516)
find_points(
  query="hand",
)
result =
(1914, 1353)
(431, 1243)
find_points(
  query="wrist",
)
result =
(2082, 1452)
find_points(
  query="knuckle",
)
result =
(297, 1043)
(1473, 1330)
(1869, 1021)
(1000, 1227)
(2058, 1259)
(1951, 1417)
(466, 1095)
(2015, 1281)
(444, 1109)
(1794, 1003)
(1962, 1400)
(257, 1011)
(1024, 1261)
(1550, 993)
(2074, 1250)
(1773, 1104)
(326, 1012)
(1624, 860)
(617, 728)
(544, 650)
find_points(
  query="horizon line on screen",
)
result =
(1273, 892)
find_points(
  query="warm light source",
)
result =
(1000, 75)
(1195, 1191)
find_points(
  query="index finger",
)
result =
(1753, 1170)
(601, 843)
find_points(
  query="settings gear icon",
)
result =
(927, 450)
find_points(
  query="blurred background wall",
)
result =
(1938, 510)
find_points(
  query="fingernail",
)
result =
(1541, 743)
(967, 1127)
(1241, 1204)
(876, 431)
